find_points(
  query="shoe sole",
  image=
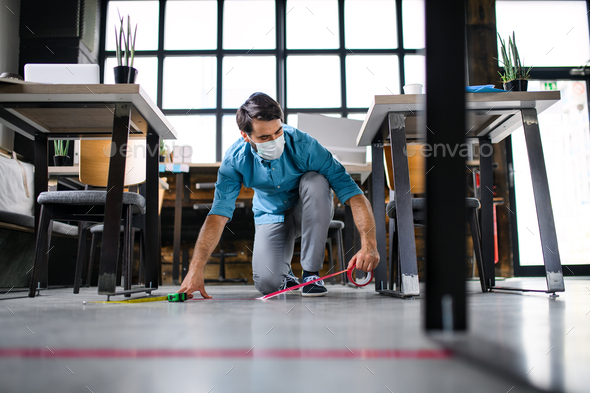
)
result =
(316, 294)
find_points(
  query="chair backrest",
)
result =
(95, 156)
(416, 166)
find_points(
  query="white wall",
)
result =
(9, 44)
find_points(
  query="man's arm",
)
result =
(367, 258)
(207, 241)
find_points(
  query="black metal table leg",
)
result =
(551, 257)
(378, 202)
(107, 277)
(410, 285)
(152, 223)
(487, 211)
(41, 179)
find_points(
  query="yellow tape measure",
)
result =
(173, 297)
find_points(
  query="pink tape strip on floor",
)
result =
(108, 353)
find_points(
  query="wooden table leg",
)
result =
(152, 223)
(107, 276)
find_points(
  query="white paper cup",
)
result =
(414, 88)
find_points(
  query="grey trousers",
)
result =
(273, 243)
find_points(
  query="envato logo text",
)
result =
(444, 150)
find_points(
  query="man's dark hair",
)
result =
(258, 106)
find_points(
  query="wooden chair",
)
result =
(417, 169)
(87, 206)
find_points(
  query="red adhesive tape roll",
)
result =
(365, 282)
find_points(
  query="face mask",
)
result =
(271, 150)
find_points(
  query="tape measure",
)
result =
(172, 297)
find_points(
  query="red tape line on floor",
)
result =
(256, 353)
(348, 272)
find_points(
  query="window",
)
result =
(554, 33)
(567, 157)
(199, 60)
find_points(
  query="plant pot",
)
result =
(516, 85)
(124, 74)
(162, 158)
(61, 160)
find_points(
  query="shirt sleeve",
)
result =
(319, 159)
(227, 189)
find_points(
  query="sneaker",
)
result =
(290, 281)
(315, 289)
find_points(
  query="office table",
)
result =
(43, 112)
(490, 118)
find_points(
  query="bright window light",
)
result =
(189, 82)
(249, 24)
(312, 24)
(367, 76)
(244, 75)
(554, 33)
(197, 132)
(143, 13)
(313, 82)
(190, 25)
(413, 17)
(370, 24)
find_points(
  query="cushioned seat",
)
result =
(100, 228)
(90, 198)
(27, 221)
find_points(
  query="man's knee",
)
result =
(268, 283)
(313, 181)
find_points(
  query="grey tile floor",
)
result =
(353, 340)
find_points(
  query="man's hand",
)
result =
(194, 281)
(366, 259)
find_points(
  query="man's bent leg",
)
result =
(273, 250)
(312, 219)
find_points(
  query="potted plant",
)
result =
(163, 151)
(515, 76)
(61, 157)
(125, 48)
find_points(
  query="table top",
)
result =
(488, 114)
(71, 111)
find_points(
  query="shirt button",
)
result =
(278, 186)
(273, 169)
(284, 201)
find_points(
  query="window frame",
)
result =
(280, 52)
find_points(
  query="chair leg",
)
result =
(141, 278)
(340, 250)
(81, 256)
(127, 249)
(96, 237)
(330, 258)
(41, 250)
(476, 237)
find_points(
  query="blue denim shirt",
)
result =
(276, 182)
